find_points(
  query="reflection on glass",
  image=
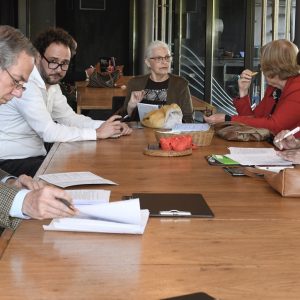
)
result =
(229, 45)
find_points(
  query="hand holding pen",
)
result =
(286, 140)
(47, 203)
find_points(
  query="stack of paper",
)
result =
(88, 197)
(114, 217)
(257, 156)
(74, 178)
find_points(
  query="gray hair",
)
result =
(12, 43)
(153, 45)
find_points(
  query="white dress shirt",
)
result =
(40, 116)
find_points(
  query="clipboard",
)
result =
(174, 205)
(194, 296)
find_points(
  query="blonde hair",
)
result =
(279, 57)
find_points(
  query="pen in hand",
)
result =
(295, 130)
(66, 202)
(125, 118)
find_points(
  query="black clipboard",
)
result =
(194, 296)
(174, 205)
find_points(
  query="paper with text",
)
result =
(113, 217)
(144, 108)
(74, 178)
(256, 156)
(190, 127)
(89, 197)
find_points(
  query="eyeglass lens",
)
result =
(160, 59)
(18, 85)
(54, 65)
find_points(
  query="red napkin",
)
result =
(177, 143)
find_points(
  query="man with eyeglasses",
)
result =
(159, 86)
(43, 114)
(22, 197)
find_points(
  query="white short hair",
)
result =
(12, 43)
(154, 45)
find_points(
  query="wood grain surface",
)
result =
(250, 250)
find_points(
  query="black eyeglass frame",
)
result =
(56, 64)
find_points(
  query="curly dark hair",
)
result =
(53, 35)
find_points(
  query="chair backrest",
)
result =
(203, 106)
(117, 103)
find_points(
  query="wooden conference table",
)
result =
(250, 250)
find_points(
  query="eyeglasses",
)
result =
(17, 85)
(160, 59)
(54, 65)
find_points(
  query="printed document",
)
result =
(89, 197)
(144, 108)
(190, 127)
(113, 217)
(256, 156)
(74, 178)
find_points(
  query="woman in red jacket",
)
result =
(280, 107)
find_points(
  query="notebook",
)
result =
(174, 205)
(220, 160)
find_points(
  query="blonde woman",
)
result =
(280, 107)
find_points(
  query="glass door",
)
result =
(228, 50)
(213, 41)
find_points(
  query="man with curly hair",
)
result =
(22, 197)
(43, 114)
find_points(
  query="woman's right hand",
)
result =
(135, 98)
(289, 142)
(244, 82)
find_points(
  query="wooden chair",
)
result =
(204, 107)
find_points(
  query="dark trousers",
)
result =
(17, 167)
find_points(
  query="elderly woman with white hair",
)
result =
(159, 86)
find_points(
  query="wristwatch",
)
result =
(227, 118)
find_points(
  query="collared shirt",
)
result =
(39, 116)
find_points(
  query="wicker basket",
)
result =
(200, 138)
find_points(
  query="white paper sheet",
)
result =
(257, 156)
(144, 108)
(114, 217)
(274, 169)
(89, 197)
(74, 178)
(190, 127)
(126, 211)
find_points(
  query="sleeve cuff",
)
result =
(16, 208)
(4, 179)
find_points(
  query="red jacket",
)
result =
(285, 116)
